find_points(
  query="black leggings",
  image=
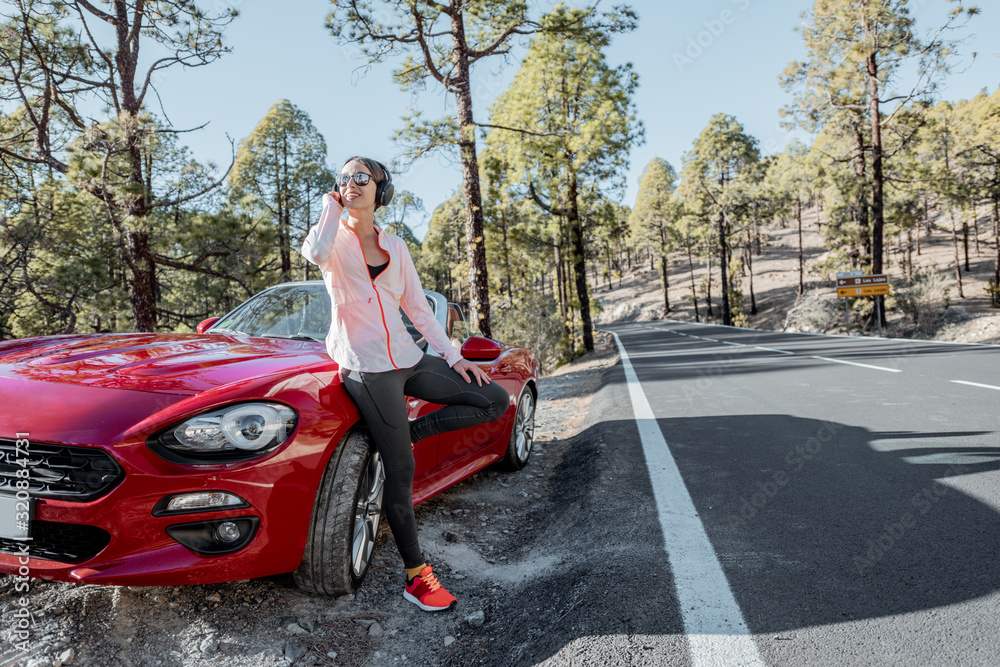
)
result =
(379, 397)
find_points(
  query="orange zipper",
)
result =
(381, 310)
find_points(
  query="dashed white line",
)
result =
(707, 338)
(854, 363)
(772, 349)
(976, 384)
(713, 621)
(726, 342)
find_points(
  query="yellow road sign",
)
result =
(865, 290)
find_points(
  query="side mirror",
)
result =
(205, 324)
(476, 348)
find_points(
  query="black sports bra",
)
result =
(375, 270)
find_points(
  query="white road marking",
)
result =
(713, 622)
(854, 363)
(711, 339)
(976, 384)
(772, 349)
(726, 342)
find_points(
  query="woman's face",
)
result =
(357, 196)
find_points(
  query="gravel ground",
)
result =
(475, 534)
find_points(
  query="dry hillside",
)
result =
(639, 294)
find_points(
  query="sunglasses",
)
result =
(360, 178)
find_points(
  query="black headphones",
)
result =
(383, 190)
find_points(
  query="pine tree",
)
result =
(280, 175)
(55, 72)
(656, 214)
(448, 38)
(565, 127)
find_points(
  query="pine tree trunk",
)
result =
(862, 202)
(749, 268)
(557, 243)
(708, 277)
(975, 224)
(927, 223)
(506, 260)
(607, 255)
(909, 254)
(694, 292)
(958, 265)
(284, 215)
(996, 234)
(666, 283)
(965, 242)
(479, 289)
(878, 203)
(798, 211)
(579, 265)
(727, 316)
(143, 274)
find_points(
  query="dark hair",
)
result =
(377, 171)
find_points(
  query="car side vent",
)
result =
(60, 472)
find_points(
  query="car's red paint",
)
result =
(204, 325)
(481, 349)
(112, 391)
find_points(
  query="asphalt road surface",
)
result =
(839, 502)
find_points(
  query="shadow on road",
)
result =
(814, 523)
(819, 522)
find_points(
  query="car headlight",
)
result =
(232, 433)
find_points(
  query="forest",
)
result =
(115, 226)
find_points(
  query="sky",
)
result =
(693, 60)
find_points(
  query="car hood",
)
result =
(183, 364)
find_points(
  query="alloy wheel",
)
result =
(367, 514)
(524, 425)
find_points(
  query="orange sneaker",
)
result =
(427, 593)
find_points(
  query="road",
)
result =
(849, 487)
(763, 498)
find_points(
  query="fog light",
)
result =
(227, 532)
(200, 501)
(217, 536)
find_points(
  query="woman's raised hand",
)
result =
(333, 194)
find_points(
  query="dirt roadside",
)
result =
(472, 533)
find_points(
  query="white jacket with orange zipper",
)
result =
(366, 331)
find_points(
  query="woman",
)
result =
(369, 274)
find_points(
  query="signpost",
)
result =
(863, 285)
(854, 284)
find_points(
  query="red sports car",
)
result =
(231, 453)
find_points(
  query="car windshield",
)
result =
(300, 311)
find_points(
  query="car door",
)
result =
(465, 446)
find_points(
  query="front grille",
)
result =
(60, 472)
(64, 542)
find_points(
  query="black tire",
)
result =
(522, 433)
(348, 507)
